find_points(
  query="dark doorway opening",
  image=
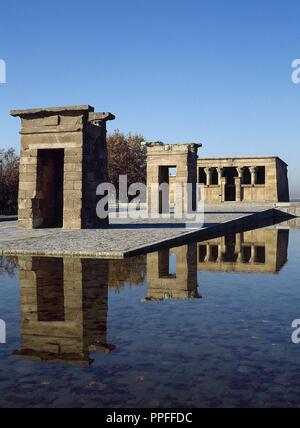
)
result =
(166, 197)
(202, 176)
(230, 192)
(214, 177)
(166, 264)
(50, 178)
(202, 253)
(247, 175)
(230, 255)
(50, 289)
(214, 253)
(260, 254)
(261, 175)
(246, 253)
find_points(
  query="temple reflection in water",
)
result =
(64, 301)
(64, 305)
(256, 251)
(172, 273)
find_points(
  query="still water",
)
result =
(203, 325)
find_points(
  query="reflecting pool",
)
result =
(206, 324)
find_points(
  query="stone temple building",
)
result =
(63, 160)
(243, 179)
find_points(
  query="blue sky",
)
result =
(216, 72)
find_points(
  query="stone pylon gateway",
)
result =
(63, 160)
(161, 159)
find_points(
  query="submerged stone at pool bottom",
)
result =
(135, 332)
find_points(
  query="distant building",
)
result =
(235, 179)
(243, 179)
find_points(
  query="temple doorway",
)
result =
(50, 176)
(166, 175)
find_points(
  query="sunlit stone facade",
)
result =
(161, 158)
(243, 179)
(63, 159)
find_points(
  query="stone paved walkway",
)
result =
(121, 238)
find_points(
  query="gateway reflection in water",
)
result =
(172, 273)
(63, 308)
(64, 304)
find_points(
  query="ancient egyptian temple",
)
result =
(239, 179)
(244, 179)
(63, 160)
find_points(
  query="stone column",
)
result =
(238, 242)
(220, 174)
(222, 248)
(240, 171)
(208, 175)
(238, 184)
(239, 258)
(207, 257)
(252, 258)
(223, 184)
(253, 170)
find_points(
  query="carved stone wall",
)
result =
(248, 179)
(63, 159)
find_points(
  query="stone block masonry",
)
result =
(244, 179)
(161, 158)
(63, 160)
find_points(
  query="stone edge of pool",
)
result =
(246, 222)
